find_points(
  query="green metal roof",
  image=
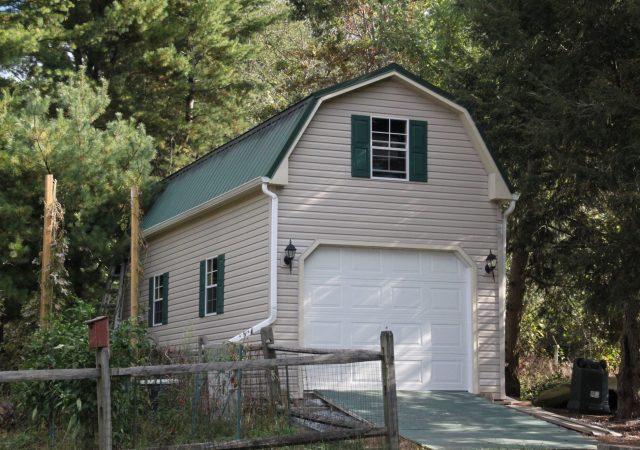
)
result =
(249, 156)
(256, 153)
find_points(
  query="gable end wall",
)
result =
(323, 201)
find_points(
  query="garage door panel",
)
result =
(324, 333)
(407, 298)
(363, 260)
(408, 334)
(325, 296)
(446, 300)
(446, 335)
(406, 263)
(364, 297)
(446, 373)
(365, 334)
(410, 371)
(421, 296)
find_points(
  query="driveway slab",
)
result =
(452, 419)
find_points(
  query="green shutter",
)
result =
(360, 146)
(220, 288)
(417, 150)
(150, 312)
(203, 279)
(165, 298)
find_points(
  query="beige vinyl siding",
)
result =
(323, 201)
(240, 230)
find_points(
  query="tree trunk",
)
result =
(516, 288)
(629, 375)
(190, 101)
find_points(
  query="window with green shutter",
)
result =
(384, 147)
(211, 286)
(158, 300)
(360, 147)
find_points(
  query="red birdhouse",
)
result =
(98, 332)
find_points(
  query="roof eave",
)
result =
(205, 207)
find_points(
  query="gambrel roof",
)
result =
(262, 153)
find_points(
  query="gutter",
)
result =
(502, 287)
(273, 268)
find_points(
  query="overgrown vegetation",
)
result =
(103, 94)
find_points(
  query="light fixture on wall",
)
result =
(289, 253)
(491, 262)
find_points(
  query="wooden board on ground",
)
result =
(566, 422)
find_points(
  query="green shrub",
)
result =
(71, 405)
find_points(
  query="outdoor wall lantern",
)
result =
(289, 253)
(491, 263)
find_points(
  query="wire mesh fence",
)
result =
(243, 396)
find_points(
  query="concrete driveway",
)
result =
(451, 419)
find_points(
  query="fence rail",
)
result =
(102, 373)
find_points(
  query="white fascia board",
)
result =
(498, 189)
(204, 207)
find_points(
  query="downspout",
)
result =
(273, 268)
(502, 287)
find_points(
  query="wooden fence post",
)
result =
(266, 334)
(104, 398)
(99, 339)
(389, 391)
(47, 239)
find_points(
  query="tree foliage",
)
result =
(556, 87)
(94, 168)
(172, 65)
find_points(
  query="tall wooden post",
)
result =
(135, 247)
(47, 239)
(389, 391)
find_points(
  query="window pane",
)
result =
(379, 174)
(380, 164)
(211, 300)
(380, 137)
(379, 124)
(401, 138)
(397, 164)
(398, 126)
(157, 313)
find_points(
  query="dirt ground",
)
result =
(630, 429)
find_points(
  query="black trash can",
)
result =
(589, 387)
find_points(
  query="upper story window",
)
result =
(211, 286)
(386, 148)
(389, 148)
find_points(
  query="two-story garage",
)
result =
(393, 204)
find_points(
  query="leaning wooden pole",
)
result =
(47, 239)
(135, 250)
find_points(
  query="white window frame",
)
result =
(406, 146)
(207, 286)
(158, 297)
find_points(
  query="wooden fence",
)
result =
(102, 374)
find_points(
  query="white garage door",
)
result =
(423, 297)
